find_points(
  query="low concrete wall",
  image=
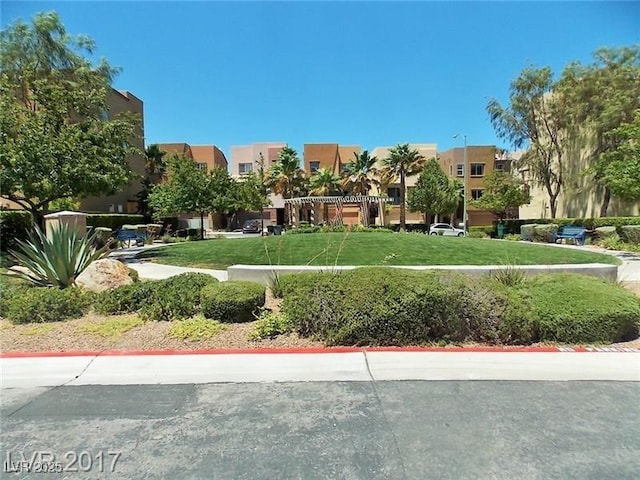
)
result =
(265, 273)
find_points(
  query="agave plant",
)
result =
(58, 259)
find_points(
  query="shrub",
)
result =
(196, 328)
(40, 305)
(270, 325)
(14, 225)
(382, 306)
(326, 228)
(111, 327)
(611, 243)
(486, 229)
(58, 258)
(113, 221)
(580, 309)
(478, 234)
(125, 299)
(305, 229)
(630, 233)
(176, 297)
(544, 233)
(509, 276)
(232, 301)
(512, 237)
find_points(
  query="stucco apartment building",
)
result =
(206, 156)
(245, 159)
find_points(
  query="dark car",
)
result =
(252, 226)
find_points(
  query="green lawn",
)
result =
(365, 249)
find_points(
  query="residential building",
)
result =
(246, 159)
(334, 157)
(481, 161)
(206, 156)
(392, 190)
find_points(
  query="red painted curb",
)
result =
(309, 350)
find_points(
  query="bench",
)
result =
(573, 232)
(124, 235)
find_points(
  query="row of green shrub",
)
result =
(382, 306)
(14, 225)
(513, 226)
(336, 229)
(546, 232)
(175, 298)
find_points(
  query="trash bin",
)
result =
(500, 230)
(277, 229)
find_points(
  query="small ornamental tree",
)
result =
(190, 189)
(434, 193)
(502, 192)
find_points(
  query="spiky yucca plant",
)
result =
(56, 260)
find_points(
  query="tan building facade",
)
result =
(481, 161)
(206, 156)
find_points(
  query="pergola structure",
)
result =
(359, 203)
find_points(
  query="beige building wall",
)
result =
(124, 201)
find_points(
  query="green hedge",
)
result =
(40, 304)
(630, 233)
(544, 233)
(113, 220)
(573, 308)
(382, 306)
(14, 225)
(513, 226)
(387, 306)
(170, 299)
(232, 301)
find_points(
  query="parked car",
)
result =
(252, 226)
(446, 229)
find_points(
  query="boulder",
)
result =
(103, 275)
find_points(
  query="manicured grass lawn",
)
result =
(366, 249)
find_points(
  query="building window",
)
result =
(202, 166)
(500, 167)
(476, 193)
(460, 170)
(394, 195)
(314, 166)
(477, 169)
(245, 168)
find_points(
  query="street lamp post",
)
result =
(464, 180)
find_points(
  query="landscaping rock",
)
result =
(104, 274)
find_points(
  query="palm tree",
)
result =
(285, 176)
(401, 163)
(155, 164)
(324, 182)
(360, 173)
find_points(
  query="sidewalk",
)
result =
(359, 366)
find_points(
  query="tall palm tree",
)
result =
(324, 182)
(285, 176)
(155, 164)
(401, 163)
(360, 173)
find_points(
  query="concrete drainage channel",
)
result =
(265, 273)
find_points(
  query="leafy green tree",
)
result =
(360, 173)
(56, 142)
(501, 193)
(324, 182)
(622, 170)
(190, 189)
(285, 177)
(536, 117)
(601, 97)
(434, 193)
(402, 162)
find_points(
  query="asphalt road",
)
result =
(343, 430)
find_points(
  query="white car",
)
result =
(446, 230)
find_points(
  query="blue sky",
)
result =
(371, 74)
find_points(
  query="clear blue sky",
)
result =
(371, 74)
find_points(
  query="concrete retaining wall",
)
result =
(265, 273)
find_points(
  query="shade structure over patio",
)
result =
(363, 202)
